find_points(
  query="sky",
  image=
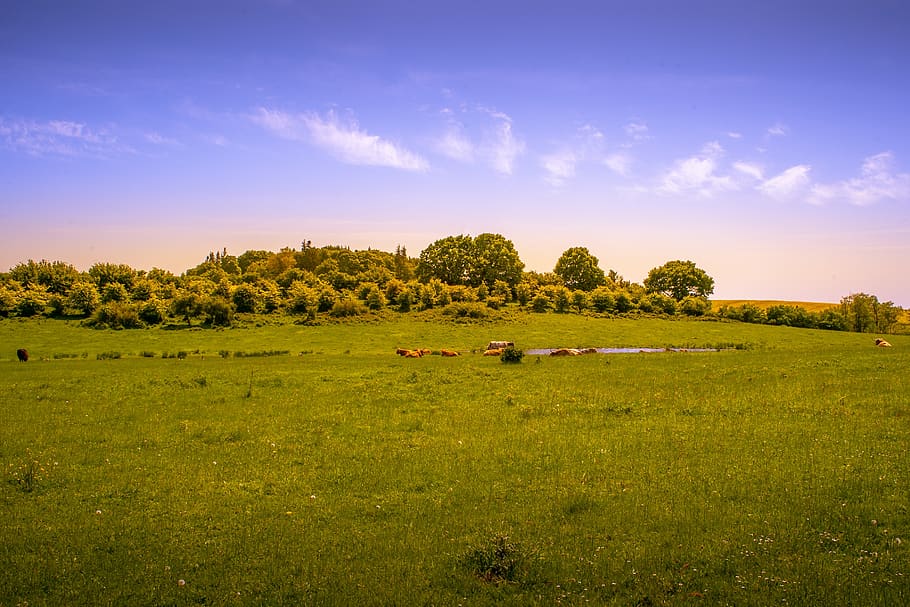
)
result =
(768, 142)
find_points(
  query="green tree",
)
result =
(679, 279)
(55, 276)
(106, 273)
(449, 260)
(495, 258)
(83, 298)
(578, 269)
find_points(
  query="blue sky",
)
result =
(768, 142)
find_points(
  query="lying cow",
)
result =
(499, 345)
(565, 352)
(448, 353)
(493, 352)
(881, 343)
(22, 355)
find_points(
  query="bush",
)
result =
(153, 312)
(512, 355)
(116, 315)
(466, 310)
(347, 307)
(220, 311)
(540, 303)
(694, 306)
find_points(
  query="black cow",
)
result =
(22, 354)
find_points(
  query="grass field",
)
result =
(764, 304)
(334, 472)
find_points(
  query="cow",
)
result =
(448, 352)
(565, 352)
(588, 351)
(22, 355)
(881, 343)
(424, 351)
(497, 345)
(493, 352)
(413, 354)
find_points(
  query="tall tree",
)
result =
(679, 279)
(449, 259)
(578, 269)
(495, 259)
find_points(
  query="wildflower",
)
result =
(181, 582)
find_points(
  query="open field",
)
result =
(336, 473)
(764, 304)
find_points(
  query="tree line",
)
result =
(460, 275)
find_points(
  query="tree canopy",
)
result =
(463, 260)
(679, 279)
(578, 269)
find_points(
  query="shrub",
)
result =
(116, 315)
(694, 306)
(220, 311)
(466, 310)
(540, 303)
(512, 355)
(347, 307)
(153, 312)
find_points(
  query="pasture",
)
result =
(333, 472)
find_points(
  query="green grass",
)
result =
(342, 474)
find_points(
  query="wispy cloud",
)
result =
(778, 130)
(455, 144)
(877, 182)
(343, 139)
(501, 146)
(559, 167)
(159, 139)
(787, 184)
(619, 163)
(698, 174)
(59, 138)
(585, 145)
(749, 168)
(637, 131)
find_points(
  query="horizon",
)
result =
(768, 144)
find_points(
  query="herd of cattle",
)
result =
(494, 348)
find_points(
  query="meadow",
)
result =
(318, 468)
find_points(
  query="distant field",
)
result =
(764, 304)
(318, 468)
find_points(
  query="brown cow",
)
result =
(448, 352)
(565, 352)
(493, 352)
(22, 355)
(881, 343)
(413, 354)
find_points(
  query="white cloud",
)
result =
(778, 130)
(620, 164)
(559, 167)
(749, 168)
(159, 139)
(788, 184)
(734, 135)
(502, 147)
(344, 140)
(637, 131)
(877, 182)
(698, 174)
(59, 138)
(456, 146)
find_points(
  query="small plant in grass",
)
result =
(108, 355)
(27, 474)
(512, 355)
(498, 560)
(182, 355)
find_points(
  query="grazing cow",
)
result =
(401, 351)
(448, 352)
(565, 352)
(22, 355)
(499, 345)
(413, 354)
(881, 343)
(425, 351)
(493, 352)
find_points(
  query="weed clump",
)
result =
(108, 355)
(498, 560)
